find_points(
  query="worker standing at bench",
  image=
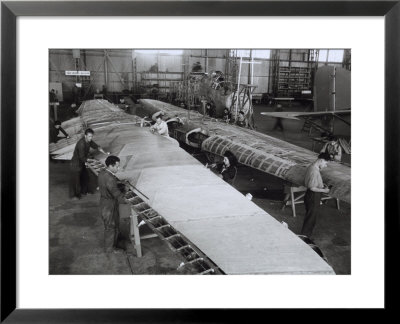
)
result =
(79, 176)
(110, 199)
(315, 188)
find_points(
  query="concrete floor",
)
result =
(76, 230)
(76, 234)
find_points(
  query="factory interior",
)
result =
(276, 111)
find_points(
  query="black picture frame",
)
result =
(11, 10)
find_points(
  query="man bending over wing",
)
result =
(315, 188)
(160, 127)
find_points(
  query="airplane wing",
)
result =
(256, 150)
(230, 230)
(296, 115)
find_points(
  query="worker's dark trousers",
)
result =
(278, 124)
(79, 179)
(311, 201)
(111, 234)
(79, 182)
(75, 183)
(84, 181)
(111, 230)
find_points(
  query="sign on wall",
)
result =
(78, 73)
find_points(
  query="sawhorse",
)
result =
(291, 199)
(135, 233)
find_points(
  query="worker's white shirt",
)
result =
(312, 178)
(161, 128)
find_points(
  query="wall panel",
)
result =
(121, 70)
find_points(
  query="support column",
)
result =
(206, 65)
(106, 69)
(251, 69)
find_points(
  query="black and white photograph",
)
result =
(211, 161)
(187, 161)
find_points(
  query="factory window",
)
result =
(256, 53)
(240, 53)
(331, 55)
(161, 51)
(171, 52)
(261, 54)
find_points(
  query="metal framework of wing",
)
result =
(257, 150)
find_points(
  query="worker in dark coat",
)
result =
(55, 131)
(110, 198)
(278, 123)
(53, 100)
(227, 169)
(52, 96)
(79, 174)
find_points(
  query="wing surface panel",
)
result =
(239, 245)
